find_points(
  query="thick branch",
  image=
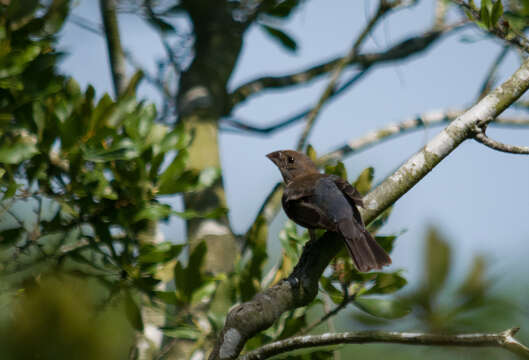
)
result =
(247, 319)
(115, 52)
(504, 339)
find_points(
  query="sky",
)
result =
(477, 197)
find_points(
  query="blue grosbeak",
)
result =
(321, 201)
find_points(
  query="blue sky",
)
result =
(478, 197)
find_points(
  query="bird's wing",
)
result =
(348, 190)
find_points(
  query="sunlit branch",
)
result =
(504, 339)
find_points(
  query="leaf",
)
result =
(11, 236)
(311, 153)
(168, 183)
(159, 253)
(122, 150)
(485, 14)
(334, 294)
(338, 169)
(153, 212)
(283, 9)
(182, 332)
(475, 283)
(384, 308)
(380, 220)
(364, 180)
(204, 292)
(192, 214)
(437, 262)
(386, 283)
(168, 297)
(133, 312)
(386, 242)
(286, 41)
(497, 12)
(190, 278)
(22, 149)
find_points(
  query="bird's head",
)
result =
(292, 163)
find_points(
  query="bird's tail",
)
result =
(366, 253)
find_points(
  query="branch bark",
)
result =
(504, 339)
(245, 320)
(115, 52)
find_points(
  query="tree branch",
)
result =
(115, 52)
(504, 339)
(431, 118)
(247, 319)
(496, 145)
(400, 51)
(383, 8)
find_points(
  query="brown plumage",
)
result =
(320, 201)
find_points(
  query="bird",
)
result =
(322, 201)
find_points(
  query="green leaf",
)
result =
(475, 283)
(497, 12)
(311, 153)
(338, 169)
(386, 242)
(15, 152)
(380, 220)
(364, 180)
(286, 41)
(384, 308)
(182, 332)
(133, 312)
(386, 283)
(204, 292)
(169, 179)
(334, 294)
(153, 212)
(190, 278)
(11, 236)
(485, 14)
(192, 214)
(437, 262)
(159, 253)
(123, 150)
(168, 297)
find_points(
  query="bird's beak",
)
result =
(274, 156)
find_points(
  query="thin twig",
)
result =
(383, 8)
(504, 339)
(481, 137)
(491, 74)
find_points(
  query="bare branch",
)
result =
(247, 319)
(504, 339)
(115, 52)
(382, 10)
(400, 51)
(496, 145)
(297, 117)
(431, 118)
(489, 80)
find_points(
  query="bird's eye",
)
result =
(290, 160)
